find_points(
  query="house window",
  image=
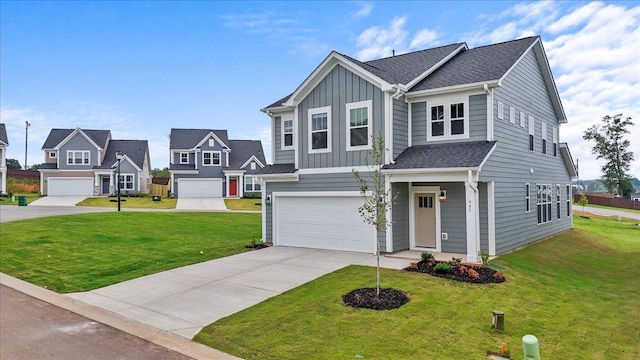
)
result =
(500, 110)
(319, 130)
(287, 134)
(527, 198)
(558, 201)
(555, 141)
(251, 184)
(211, 158)
(531, 133)
(448, 121)
(512, 115)
(543, 202)
(78, 158)
(52, 154)
(359, 125)
(125, 181)
(523, 119)
(568, 200)
(184, 158)
(544, 138)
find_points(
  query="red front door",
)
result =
(233, 187)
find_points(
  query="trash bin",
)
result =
(22, 200)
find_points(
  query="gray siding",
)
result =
(78, 143)
(484, 211)
(400, 217)
(419, 123)
(337, 89)
(511, 163)
(400, 126)
(453, 219)
(281, 156)
(176, 157)
(127, 169)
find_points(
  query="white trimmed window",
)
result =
(555, 141)
(568, 200)
(359, 125)
(126, 182)
(287, 134)
(523, 119)
(184, 158)
(251, 184)
(512, 115)
(558, 201)
(543, 202)
(448, 120)
(527, 198)
(319, 130)
(52, 154)
(75, 157)
(211, 158)
(531, 133)
(544, 138)
(500, 110)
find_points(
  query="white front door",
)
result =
(425, 220)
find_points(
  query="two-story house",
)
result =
(4, 142)
(86, 162)
(205, 163)
(473, 158)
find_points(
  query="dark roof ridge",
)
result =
(505, 42)
(414, 52)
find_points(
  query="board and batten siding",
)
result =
(512, 165)
(338, 88)
(78, 143)
(400, 217)
(281, 156)
(400, 126)
(313, 183)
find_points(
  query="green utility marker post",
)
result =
(530, 347)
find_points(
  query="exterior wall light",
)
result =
(443, 195)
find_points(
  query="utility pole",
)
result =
(26, 142)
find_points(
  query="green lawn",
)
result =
(129, 202)
(243, 204)
(577, 206)
(83, 252)
(30, 198)
(578, 292)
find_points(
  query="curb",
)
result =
(147, 332)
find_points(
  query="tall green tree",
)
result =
(157, 172)
(611, 146)
(13, 164)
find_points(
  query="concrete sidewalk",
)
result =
(201, 204)
(184, 300)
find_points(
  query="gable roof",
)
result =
(3, 135)
(443, 156)
(57, 136)
(184, 139)
(135, 150)
(243, 150)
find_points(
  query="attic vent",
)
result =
(393, 53)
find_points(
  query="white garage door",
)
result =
(190, 188)
(70, 186)
(322, 222)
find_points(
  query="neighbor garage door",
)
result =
(69, 186)
(322, 222)
(190, 188)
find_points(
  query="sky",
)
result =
(142, 68)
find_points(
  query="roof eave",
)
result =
(568, 160)
(429, 170)
(454, 88)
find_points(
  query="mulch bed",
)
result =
(461, 272)
(367, 298)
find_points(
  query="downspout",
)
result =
(476, 196)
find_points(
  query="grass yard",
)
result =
(243, 204)
(30, 198)
(83, 252)
(577, 206)
(129, 202)
(578, 292)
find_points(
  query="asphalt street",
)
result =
(13, 213)
(34, 329)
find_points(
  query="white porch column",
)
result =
(4, 181)
(241, 186)
(226, 178)
(471, 216)
(491, 217)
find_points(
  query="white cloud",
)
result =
(364, 11)
(424, 38)
(378, 42)
(575, 17)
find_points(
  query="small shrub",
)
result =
(498, 275)
(455, 261)
(426, 256)
(462, 269)
(473, 274)
(413, 265)
(442, 267)
(484, 256)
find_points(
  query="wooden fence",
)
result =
(23, 174)
(157, 189)
(609, 201)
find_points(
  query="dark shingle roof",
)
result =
(134, 149)
(182, 166)
(277, 169)
(56, 136)
(279, 102)
(449, 155)
(242, 150)
(48, 166)
(3, 134)
(189, 138)
(480, 64)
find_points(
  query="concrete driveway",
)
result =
(58, 201)
(184, 300)
(201, 204)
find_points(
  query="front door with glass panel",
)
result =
(425, 220)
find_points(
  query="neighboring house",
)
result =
(4, 142)
(205, 163)
(635, 197)
(84, 162)
(472, 152)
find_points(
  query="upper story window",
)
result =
(319, 130)
(359, 125)
(448, 121)
(184, 158)
(211, 158)
(512, 115)
(78, 157)
(555, 141)
(287, 134)
(500, 110)
(531, 133)
(52, 154)
(544, 138)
